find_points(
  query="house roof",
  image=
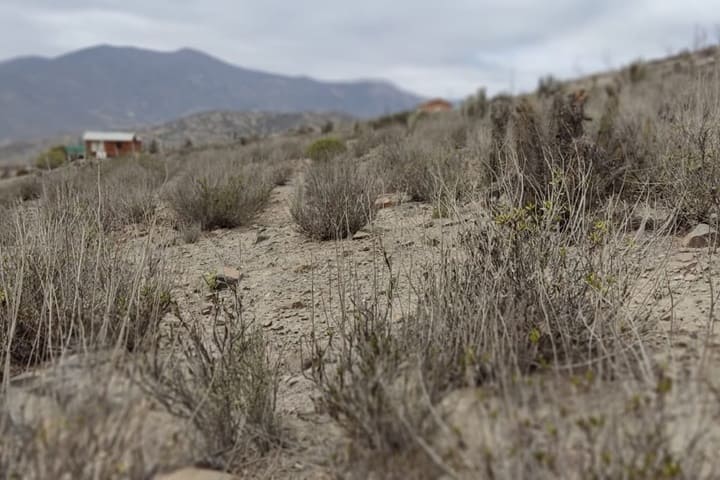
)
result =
(436, 102)
(109, 137)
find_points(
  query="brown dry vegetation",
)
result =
(541, 335)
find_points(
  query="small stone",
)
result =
(195, 474)
(385, 202)
(227, 276)
(261, 238)
(361, 235)
(207, 310)
(297, 305)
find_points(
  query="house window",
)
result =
(118, 145)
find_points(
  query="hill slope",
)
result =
(206, 128)
(112, 87)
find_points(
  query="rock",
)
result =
(196, 474)
(361, 235)
(261, 238)
(207, 310)
(227, 276)
(700, 237)
(387, 201)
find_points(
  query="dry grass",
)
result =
(524, 353)
(425, 171)
(225, 195)
(67, 288)
(224, 382)
(335, 200)
(520, 297)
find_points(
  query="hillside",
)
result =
(112, 87)
(522, 289)
(206, 128)
(223, 127)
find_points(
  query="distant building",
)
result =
(74, 152)
(435, 105)
(111, 144)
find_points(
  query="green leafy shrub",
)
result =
(325, 149)
(52, 158)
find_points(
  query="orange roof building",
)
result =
(435, 105)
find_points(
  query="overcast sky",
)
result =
(439, 47)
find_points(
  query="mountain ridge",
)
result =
(119, 87)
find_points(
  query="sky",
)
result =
(445, 48)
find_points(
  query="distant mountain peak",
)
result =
(95, 88)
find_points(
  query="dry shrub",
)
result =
(133, 189)
(522, 296)
(475, 106)
(689, 170)
(448, 129)
(500, 111)
(426, 171)
(370, 140)
(530, 148)
(225, 195)
(20, 189)
(279, 174)
(222, 380)
(567, 122)
(190, 232)
(67, 288)
(335, 200)
(121, 191)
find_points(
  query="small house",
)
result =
(111, 144)
(435, 105)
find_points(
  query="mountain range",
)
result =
(120, 87)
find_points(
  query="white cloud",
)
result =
(436, 48)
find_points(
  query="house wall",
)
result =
(115, 149)
(436, 106)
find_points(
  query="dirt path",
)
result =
(288, 282)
